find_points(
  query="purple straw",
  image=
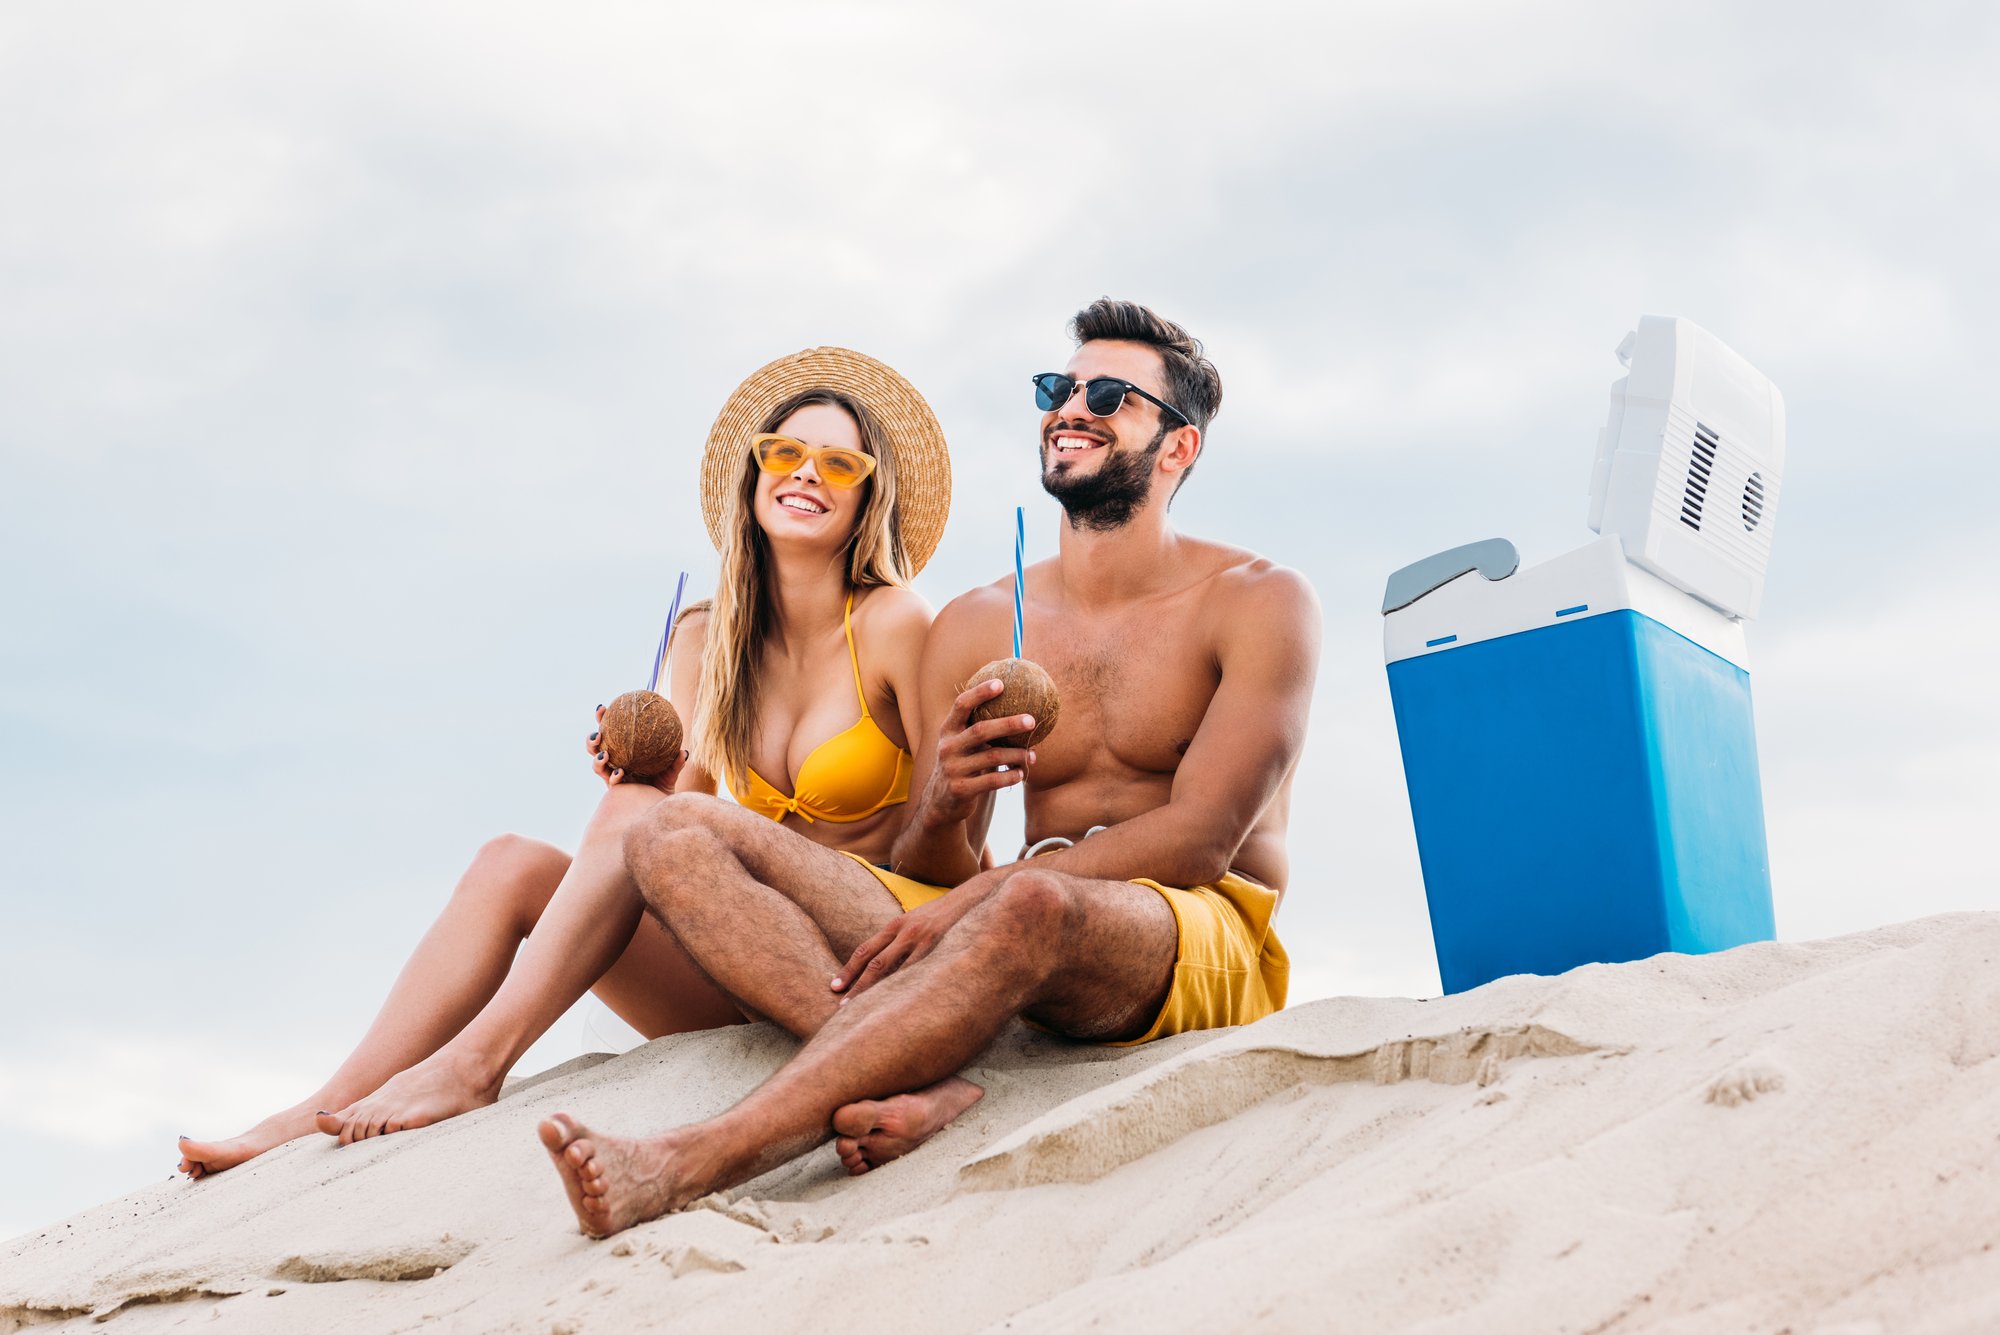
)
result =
(667, 633)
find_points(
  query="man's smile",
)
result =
(1074, 442)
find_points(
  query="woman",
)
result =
(825, 485)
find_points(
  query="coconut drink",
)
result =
(640, 733)
(1028, 691)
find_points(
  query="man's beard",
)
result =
(1106, 499)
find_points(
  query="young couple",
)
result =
(845, 894)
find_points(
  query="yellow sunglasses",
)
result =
(836, 466)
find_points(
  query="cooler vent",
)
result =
(1753, 502)
(1701, 467)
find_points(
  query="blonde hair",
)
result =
(726, 715)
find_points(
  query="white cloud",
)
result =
(94, 1090)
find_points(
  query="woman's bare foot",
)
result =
(440, 1086)
(874, 1131)
(199, 1158)
(614, 1183)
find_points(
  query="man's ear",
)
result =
(1181, 448)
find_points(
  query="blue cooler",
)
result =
(1577, 737)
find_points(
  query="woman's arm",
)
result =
(690, 643)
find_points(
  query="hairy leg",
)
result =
(1097, 956)
(454, 970)
(766, 913)
(592, 932)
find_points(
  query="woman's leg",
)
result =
(453, 972)
(593, 932)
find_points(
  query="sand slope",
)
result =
(1783, 1137)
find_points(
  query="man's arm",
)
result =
(1249, 740)
(955, 773)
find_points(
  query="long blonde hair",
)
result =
(726, 712)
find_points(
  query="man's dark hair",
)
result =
(1193, 385)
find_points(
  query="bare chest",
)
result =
(1134, 690)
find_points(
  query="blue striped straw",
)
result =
(667, 633)
(1020, 541)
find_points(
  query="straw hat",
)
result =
(923, 464)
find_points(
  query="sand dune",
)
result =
(1798, 1138)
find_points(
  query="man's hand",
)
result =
(968, 765)
(600, 763)
(908, 938)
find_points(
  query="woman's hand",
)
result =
(600, 763)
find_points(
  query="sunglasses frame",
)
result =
(813, 454)
(1124, 387)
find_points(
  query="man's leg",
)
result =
(1095, 958)
(766, 913)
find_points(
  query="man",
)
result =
(1185, 668)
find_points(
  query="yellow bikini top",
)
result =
(848, 776)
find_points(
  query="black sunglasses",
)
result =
(1101, 396)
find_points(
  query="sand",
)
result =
(1800, 1137)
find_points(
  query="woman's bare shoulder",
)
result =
(889, 610)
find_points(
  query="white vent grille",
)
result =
(1701, 472)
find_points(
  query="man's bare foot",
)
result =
(199, 1158)
(441, 1086)
(614, 1183)
(874, 1131)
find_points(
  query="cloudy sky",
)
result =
(354, 362)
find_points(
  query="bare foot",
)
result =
(440, 1086)
(614, 1183)
(199, 1158)
(874, 1131)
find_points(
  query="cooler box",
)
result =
(1582, 768)
(1577, 736)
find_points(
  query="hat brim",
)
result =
(923, 463)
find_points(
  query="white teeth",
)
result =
(805, 503)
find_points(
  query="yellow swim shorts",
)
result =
(1231, 967)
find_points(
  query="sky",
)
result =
(355, 362)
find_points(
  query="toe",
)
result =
(855, 1119)
(329, 1123)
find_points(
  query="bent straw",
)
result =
(667, 634)
(1020, 540)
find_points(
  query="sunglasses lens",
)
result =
(778, 455)
(1052, 390)
(1102, 397)
(842, 468)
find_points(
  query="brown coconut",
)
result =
(1029, 691)
(640, 733)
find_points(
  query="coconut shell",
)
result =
(1029, 691)
(641, 734)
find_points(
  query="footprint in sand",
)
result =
(1744, 1082)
